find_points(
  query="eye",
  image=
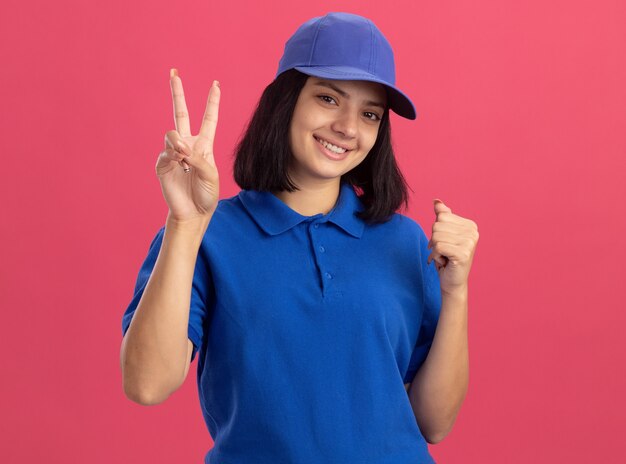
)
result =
(323, 98)
(372, 116)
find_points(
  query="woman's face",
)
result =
(344, 114)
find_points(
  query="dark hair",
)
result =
(262, 155)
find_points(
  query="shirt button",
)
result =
(329, 276)
(322, 249)
(316, 225)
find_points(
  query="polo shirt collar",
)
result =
(275, 217)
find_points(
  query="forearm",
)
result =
(440, 385)
(153, 357)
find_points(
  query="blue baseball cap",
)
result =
(346, 46)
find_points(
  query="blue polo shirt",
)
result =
(306, 329)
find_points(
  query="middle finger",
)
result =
(209, 121)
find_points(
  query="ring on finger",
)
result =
(184, 165)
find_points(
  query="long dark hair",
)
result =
(262, 155)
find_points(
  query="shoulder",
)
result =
(400, 236)
(402, 227)
(228, 211)
(230, 223)
(228, 205)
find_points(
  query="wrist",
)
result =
(195, 226)
(457, 293)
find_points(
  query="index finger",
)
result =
(209, 121)
(181, 115)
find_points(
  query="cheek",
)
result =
(361, 159)
(367, 144)
(371, 140)
(296, 134)
(297, 126)
(300, 131)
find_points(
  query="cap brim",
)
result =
(399, 103)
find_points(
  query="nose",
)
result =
(346, 123)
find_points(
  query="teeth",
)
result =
(331, 147)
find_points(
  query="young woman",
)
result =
(324, 332)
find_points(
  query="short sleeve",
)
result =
(431, 307)
(201, 288)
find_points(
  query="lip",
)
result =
(329, 154)
(333, 142)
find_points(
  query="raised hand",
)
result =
(186, 167)
(452, 244)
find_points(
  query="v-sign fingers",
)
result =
(209, 121)
(181, 115)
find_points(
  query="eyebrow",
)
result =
(345, 95)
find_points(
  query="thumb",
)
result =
(440, 207)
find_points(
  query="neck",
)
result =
(312, 199)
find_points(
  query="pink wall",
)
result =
(521, 128)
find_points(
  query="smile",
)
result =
(331, 151)
(331, 147)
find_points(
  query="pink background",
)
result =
(521, 128)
